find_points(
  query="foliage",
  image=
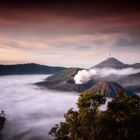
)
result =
(121, 120)
(2, 122)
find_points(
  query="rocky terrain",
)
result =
(108, 89)
(64, 80)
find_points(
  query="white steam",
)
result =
(84, 76)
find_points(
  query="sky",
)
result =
(72, 33)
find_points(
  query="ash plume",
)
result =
(84, 76)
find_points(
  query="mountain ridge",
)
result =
(29, 68)
(65, 79)
(112, 63)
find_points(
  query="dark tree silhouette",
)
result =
(2, 122)
(121, 120)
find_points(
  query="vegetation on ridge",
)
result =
(30, 68)
(121, 120)
(2, 122)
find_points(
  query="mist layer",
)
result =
(30, 111)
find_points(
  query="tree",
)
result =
(81, 124)
(121, 120)
(88, 104)
(2, 122)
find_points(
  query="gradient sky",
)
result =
(69, 33)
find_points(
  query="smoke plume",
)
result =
(84, 76)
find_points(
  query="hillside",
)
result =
(64, 80)
(112, 63)
(136, 65)
(29, 69)
(63, 75)
(132, 79)
(108, 89)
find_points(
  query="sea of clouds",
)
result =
(31, 111)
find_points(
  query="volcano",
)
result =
(108, 89)
(111, 63)
(64, 80)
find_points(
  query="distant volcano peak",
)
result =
(112, 63)
(112, 59)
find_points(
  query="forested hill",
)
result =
(30, 68)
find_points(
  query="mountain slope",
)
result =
(29, 69)
(64, 81)
(108, 89)
(64, 75)
(125, 80)
(133, 79)
(112, 63)
(136, 65)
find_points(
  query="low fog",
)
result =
(84, 76)
(30, 111)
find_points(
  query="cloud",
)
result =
(70, 50)
(76, 18)
(84, 76)
(34, 110)
(69, 33)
